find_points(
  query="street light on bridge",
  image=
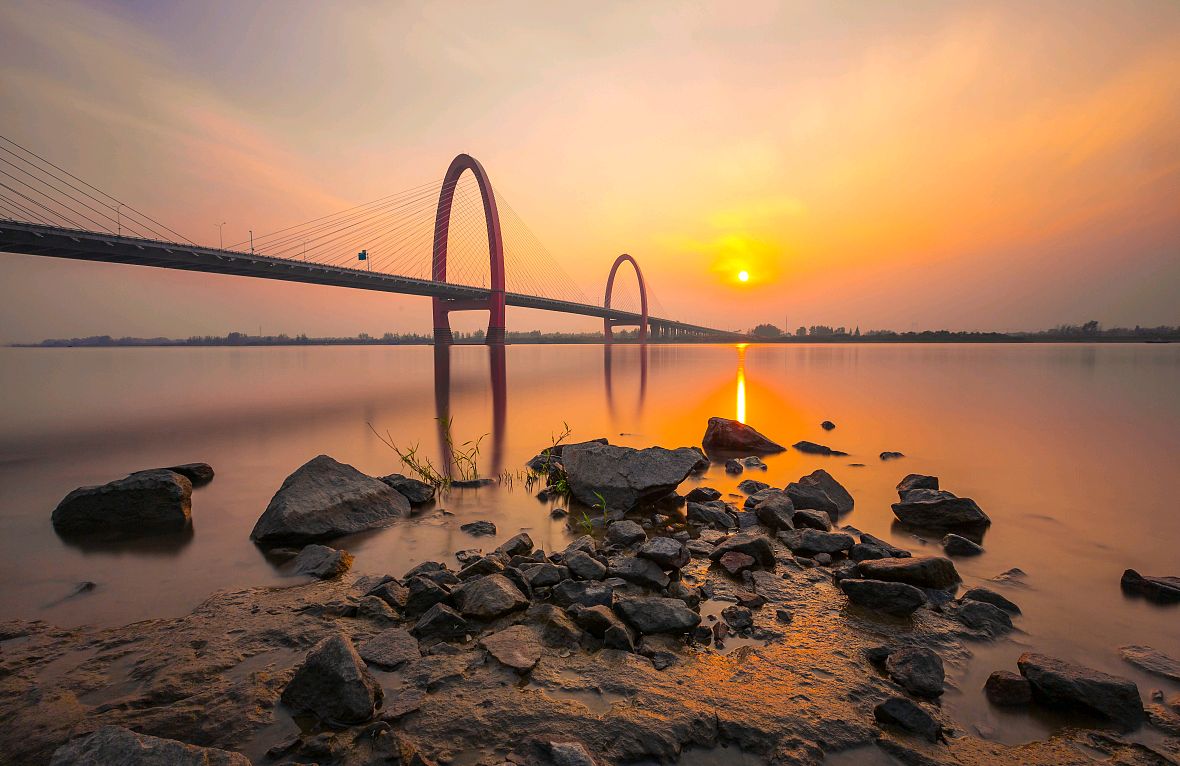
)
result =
(220, 239)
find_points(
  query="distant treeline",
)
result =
(763, 333)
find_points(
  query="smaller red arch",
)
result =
(607, 322)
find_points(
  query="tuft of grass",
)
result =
(464, 459)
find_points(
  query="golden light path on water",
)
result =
(741, 383)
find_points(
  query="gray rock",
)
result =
(812, 519)
(639, 571)
(1151, 660)
(666, 552)
(517, 647)
(600, 622)
(757, 546)
(725, 435)
(480, 567)
(374, 608)
(423, 593)
(545, 575)
(813, 497)
(416, 492)
(584, 566)
(735, 562)
(983, 616)
(324, 498)
(750, 486)
(922, 571)
(517, 545)
(572, 592)
(624, 476)
(939, 509)
(321, 561)
(625, 532)
(907, 715)
(957, 545)
(1165, 590)
(809, 542)
(480, 528)
(699, 549)
(776, 511)
(333, 684)
(862, 552)
(738, 617)
(585, 544)
(918, 670)
(196, 473)
(835, 491)
(713, 514)
(487, 598)
(116, 746)
(916, 481)
(734, 466)
(658, 615)
(827, 425)
(144, 503)
(390, 648)
(991, 597)
(702, 495)
(898, 599)
(893, 551)
(1063, 684)
(555, 626)
(891, 455)
(570, 754)
(440, 622)
(1005, 688)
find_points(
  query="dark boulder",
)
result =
(891, 455)
(600, 622)
(750, 486)
(324, 498)
(812, 519)
(556, 627)
(545, 575)
(658, 615)
(724, 435)
(440, 622)
(735, 563)
(586, 593)
(981, 615)
(639, 571)
(1005, 688)
(893, 551)
(116, 746)
(907, 715)
(484, 565)
(390, 648)
(957, 545)
(757, 546)
(584, 566)
(811, 448)
(144, 503)
(832, 488)
(321, 561)
(813, 497)
(625, 533)
(827, 425)
(715, 514)
(918, 670)
(517, 545)
(623, 476)
(920, 571)
(991, 597)
(1162, 589)
(734, 466)
(939, 509)
(702, 495)
(416, 492)
(196, 473)
(333, 684)
(1063, 684)
(916, 481)
(487, 598)
(423, 593)
(895, 598)
(666, 552)
(809, 542)
(776, 511)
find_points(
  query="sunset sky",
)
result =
(908, 165)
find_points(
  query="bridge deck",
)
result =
(55, 242)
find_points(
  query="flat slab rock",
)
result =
(324, 498)
(390, 648)
(517, 647)
(1065, 684)
(115, 745)
(1152, 661)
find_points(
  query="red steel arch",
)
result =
(610, 284)
(442, 224)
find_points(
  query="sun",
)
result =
(743, 276)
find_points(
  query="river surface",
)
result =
(1073, 450)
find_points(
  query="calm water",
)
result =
(1071, 449)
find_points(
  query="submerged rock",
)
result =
(991, 597)
(624, 476)
(324, 498)
(144, 503)
(957, 545)
(734, 466)
(1063, 684)
(983, 616)
(895, 598)
(477, 528)
(811, 448)
(1162, 589)
(724, 435)
(417, 492)
(333, 684)
(939, 509)
(702, 495)
(750, 486)
(322, 562)
(921, 571)
(1151, 660)
(827, 425)
(1003, 687)
(112, 745)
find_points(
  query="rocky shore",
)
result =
(672, 623)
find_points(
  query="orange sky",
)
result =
(986, 165)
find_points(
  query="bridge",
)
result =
(46, 211)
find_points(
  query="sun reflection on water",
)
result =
(741, 383)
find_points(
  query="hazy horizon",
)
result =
(992, 166)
